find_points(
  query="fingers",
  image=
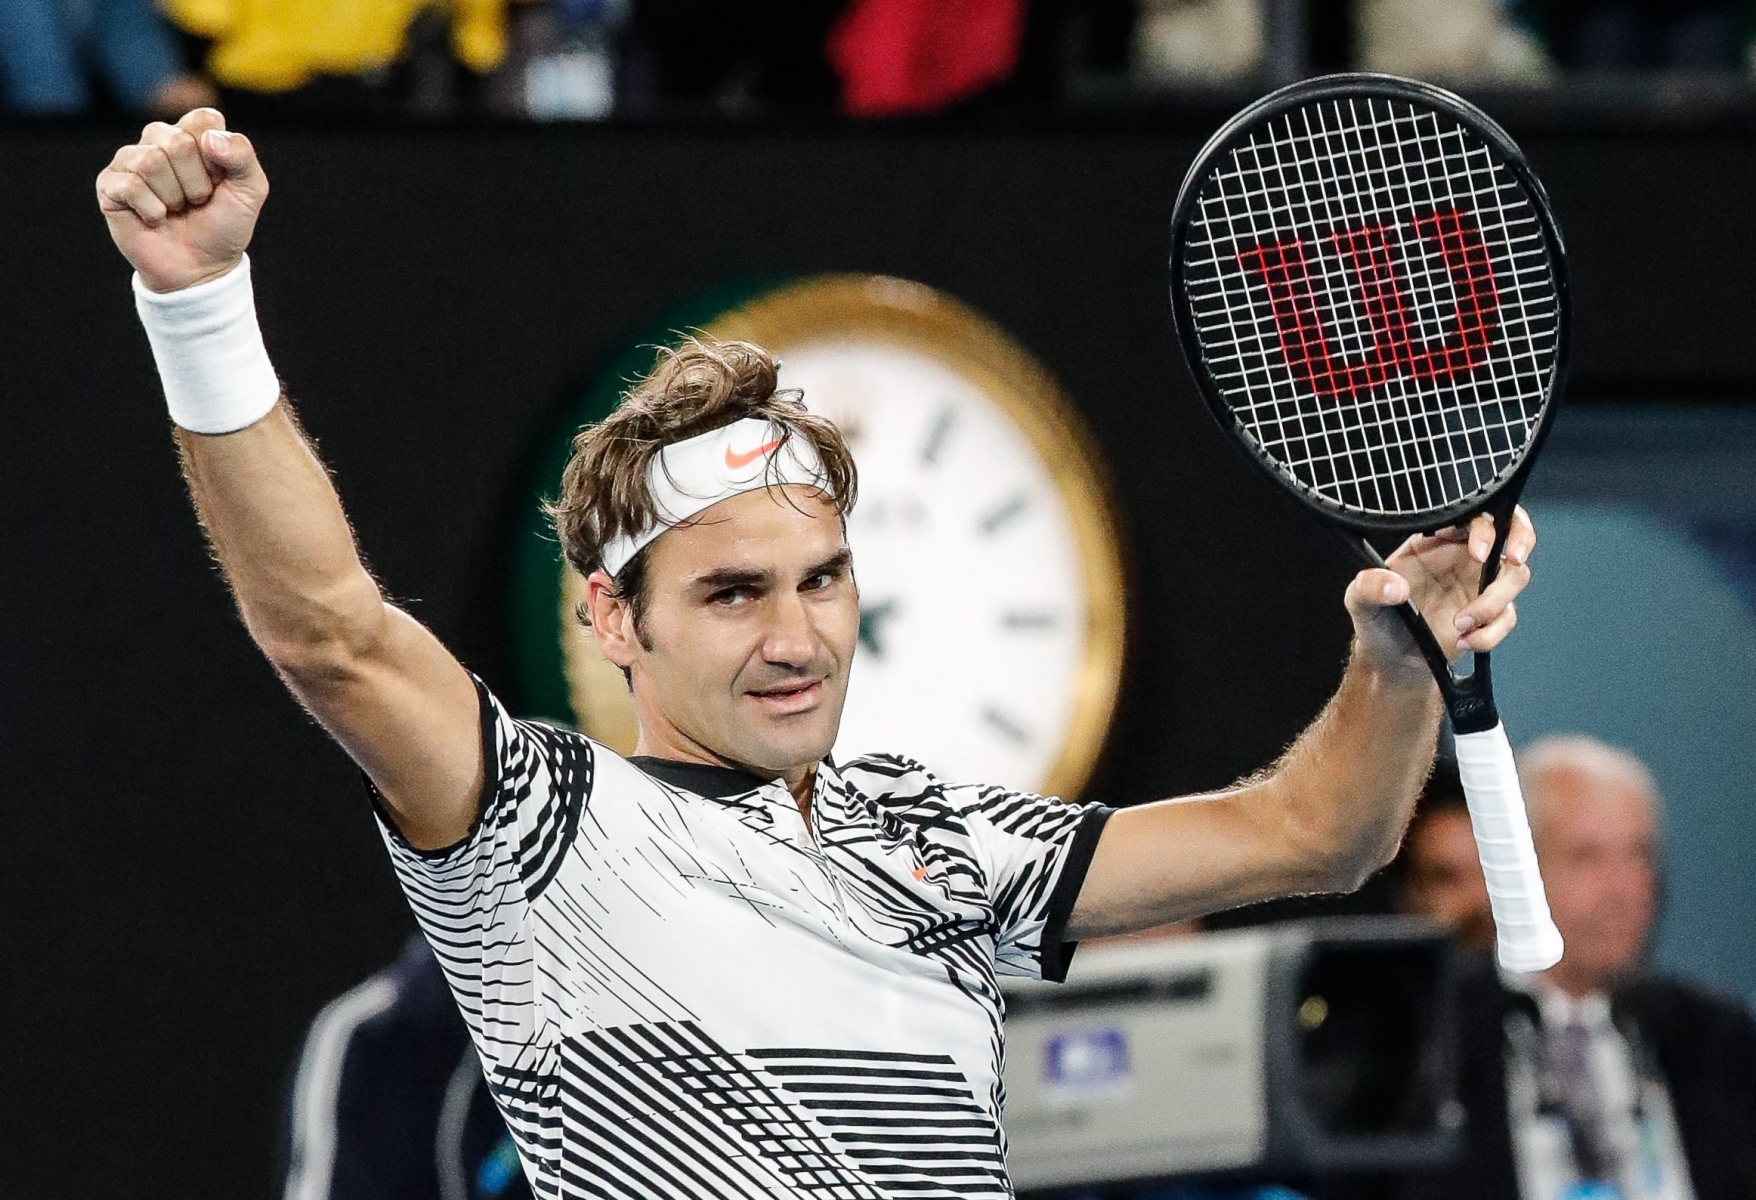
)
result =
(1486, 608)
(1491, 634)
(175, 168)
(1376, 588)
(232, 155)
(198, 121)
(183, 154)
(163, 173)
(1520, 540)
(121, 191)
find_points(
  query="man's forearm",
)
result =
(283, 542)
(1327, 815)
(1348, 785)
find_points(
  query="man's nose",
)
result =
(790, 638)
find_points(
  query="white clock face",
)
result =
(973, 621)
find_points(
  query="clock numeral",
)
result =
(1003, 516)
(1008, 728)
(1029, 622)
(941, 429)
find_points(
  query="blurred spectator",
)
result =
(1440, 871)
(389, 1102)
(897, 57)
(564, 58)
(1458, 40)
(52, 51)
(1199, 41)
(276, 46)
(1599, 1078)
(1636, 34)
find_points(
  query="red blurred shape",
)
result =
(897, 57)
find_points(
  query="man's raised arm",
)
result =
(1334, 809)
(181, 205)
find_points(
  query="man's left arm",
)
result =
(1333, 810)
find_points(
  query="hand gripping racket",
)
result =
(1372, 294)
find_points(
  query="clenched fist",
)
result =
(182, 202)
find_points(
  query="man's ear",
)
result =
(612, 620)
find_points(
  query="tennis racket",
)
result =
(1371, 292)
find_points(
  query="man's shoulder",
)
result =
(897, 781)
(1684, 1004)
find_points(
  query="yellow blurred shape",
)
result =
(277, 45)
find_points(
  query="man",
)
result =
(726, 966)
(1597, 1079)
(1440, 870)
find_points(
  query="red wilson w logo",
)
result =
(1372, 252)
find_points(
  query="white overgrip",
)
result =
(1526, 935)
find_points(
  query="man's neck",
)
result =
(800, 781)
(1576, 986)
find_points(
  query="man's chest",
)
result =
(681, 902)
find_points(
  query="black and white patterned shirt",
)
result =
(680, 990)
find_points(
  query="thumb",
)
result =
(1376, 588)
(232, 157)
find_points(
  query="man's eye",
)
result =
(732, 596)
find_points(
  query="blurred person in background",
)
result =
(1462, 41)
(1439, 869)
(1599, 1079)
(53, 53)
(347, 54)
(389, 1102)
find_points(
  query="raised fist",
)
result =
(182, 202)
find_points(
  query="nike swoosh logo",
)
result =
(919, 873)
(738, 462)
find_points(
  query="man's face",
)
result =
(747, 634)
(1445, 877)
(1598, 848)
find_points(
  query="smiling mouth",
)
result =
(788, 698)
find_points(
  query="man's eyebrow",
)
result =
(835, 564)
(725, 577)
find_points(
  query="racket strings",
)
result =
(1374, 299)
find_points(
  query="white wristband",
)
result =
(209, 350)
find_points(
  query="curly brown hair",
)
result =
(698, 385)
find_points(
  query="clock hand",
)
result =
(871, 618)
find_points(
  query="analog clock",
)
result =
(985, 547)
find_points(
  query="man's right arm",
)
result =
(181, 205)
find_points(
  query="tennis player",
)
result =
(726, 966)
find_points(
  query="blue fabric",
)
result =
(51, 49)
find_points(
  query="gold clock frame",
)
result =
(917, 317)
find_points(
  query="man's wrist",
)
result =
(159, 287)
(1401, 672)
(208, 347)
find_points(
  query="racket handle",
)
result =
(1527, 939)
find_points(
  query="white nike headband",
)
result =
(685, 478)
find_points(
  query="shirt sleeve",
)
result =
(472, 899)
(1035, 850)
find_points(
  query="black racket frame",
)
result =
(1469, 698)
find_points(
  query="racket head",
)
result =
(1371, 291)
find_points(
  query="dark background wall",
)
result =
(190, 870)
